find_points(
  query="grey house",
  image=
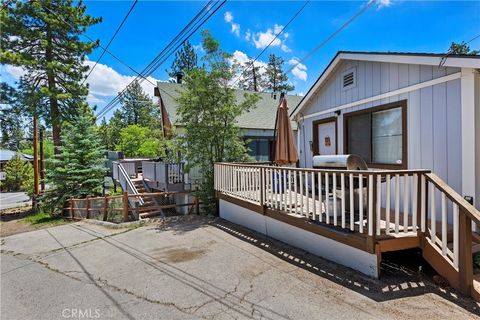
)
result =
(398, 111)
(257, 125)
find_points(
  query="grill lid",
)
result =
(347, 161)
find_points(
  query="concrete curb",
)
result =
(112, 225)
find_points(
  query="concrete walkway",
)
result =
(197, 269)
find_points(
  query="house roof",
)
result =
(433, 59)
(262, 116)
(7, 155)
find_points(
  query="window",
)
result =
(378, 135)
(259, 148)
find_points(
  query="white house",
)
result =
(398, 111)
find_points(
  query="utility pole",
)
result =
(35, 163)
(42, 162)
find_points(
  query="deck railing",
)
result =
(165, 173)
(378, 203)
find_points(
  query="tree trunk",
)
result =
(54, 111)
(255, 87)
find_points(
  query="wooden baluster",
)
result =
(415, 203)
(433, 219)
(405, 203)
(314, 214)
(72, 215)
(352, 206)
(319, 175)
(125, 206)
(397, 203)
(307, 196)
(342, 194)
(327, 194)
(387, 205)
(455, 236)
(301, 192)
(444, 224)
(360, 202)
(465, 264)
(370, 205)
(334, 194)
(295, 190)
(378, 202)
(423, 203)
(290, 207)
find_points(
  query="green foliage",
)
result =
(185, 60)
(461, 48)
(251, 78)
(19, 176)
(42, 218)
(136, 109)
(137, 141)
(79, 170)
(207, 108)
(43, 38)
(277, 80)
(47, 149)
(11, 118)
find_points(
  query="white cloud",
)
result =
(198, 47)
(236, 29)
(263, 39)
(382, 3)
(13, 71)
(228, 16)
(248, 35)
(241, 58)
(299, 70)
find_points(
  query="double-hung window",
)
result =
(378, 135)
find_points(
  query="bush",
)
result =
(19, 176)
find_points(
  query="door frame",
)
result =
(315, 125)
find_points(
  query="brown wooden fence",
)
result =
(127, 207)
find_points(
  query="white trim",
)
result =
(468, 132)
(449, 61)
(389, 94)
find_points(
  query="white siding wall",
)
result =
(434, 124)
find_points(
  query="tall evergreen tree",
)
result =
(185, 60)
(137, 108)
(11, 118)
(43, 37)
(277, 79)
(252, 77)
(79, 169)
(208, 109)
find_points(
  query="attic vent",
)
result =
(349, 78)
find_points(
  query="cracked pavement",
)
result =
(195, 269)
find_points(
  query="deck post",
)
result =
(87, 207)
(72, 215)
(105, 209)
(465, 263)
(125, 206)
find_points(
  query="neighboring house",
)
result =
(257, 125)
(7, 155)
(397, 111)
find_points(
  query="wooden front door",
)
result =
(325, 137)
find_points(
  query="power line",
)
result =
(324, 42)
(170, 49)
(111, 40)
(444, 58)
(113, 102)
(272, 41)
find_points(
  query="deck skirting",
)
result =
(300, 235)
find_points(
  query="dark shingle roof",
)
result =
(260, 117)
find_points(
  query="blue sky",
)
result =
(244, 27)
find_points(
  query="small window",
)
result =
(349, 79)
(378, 135)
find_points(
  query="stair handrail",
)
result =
(465, 207)
(129, 184)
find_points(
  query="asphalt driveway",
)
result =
(13, 199)
(198, 269)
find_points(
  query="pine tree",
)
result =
(252, 77)
(18, 175)
(11, 118)
(79, 169)
(461, 48)
(185, 60)
(276, 77)
(137, 108)
(43, 37)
